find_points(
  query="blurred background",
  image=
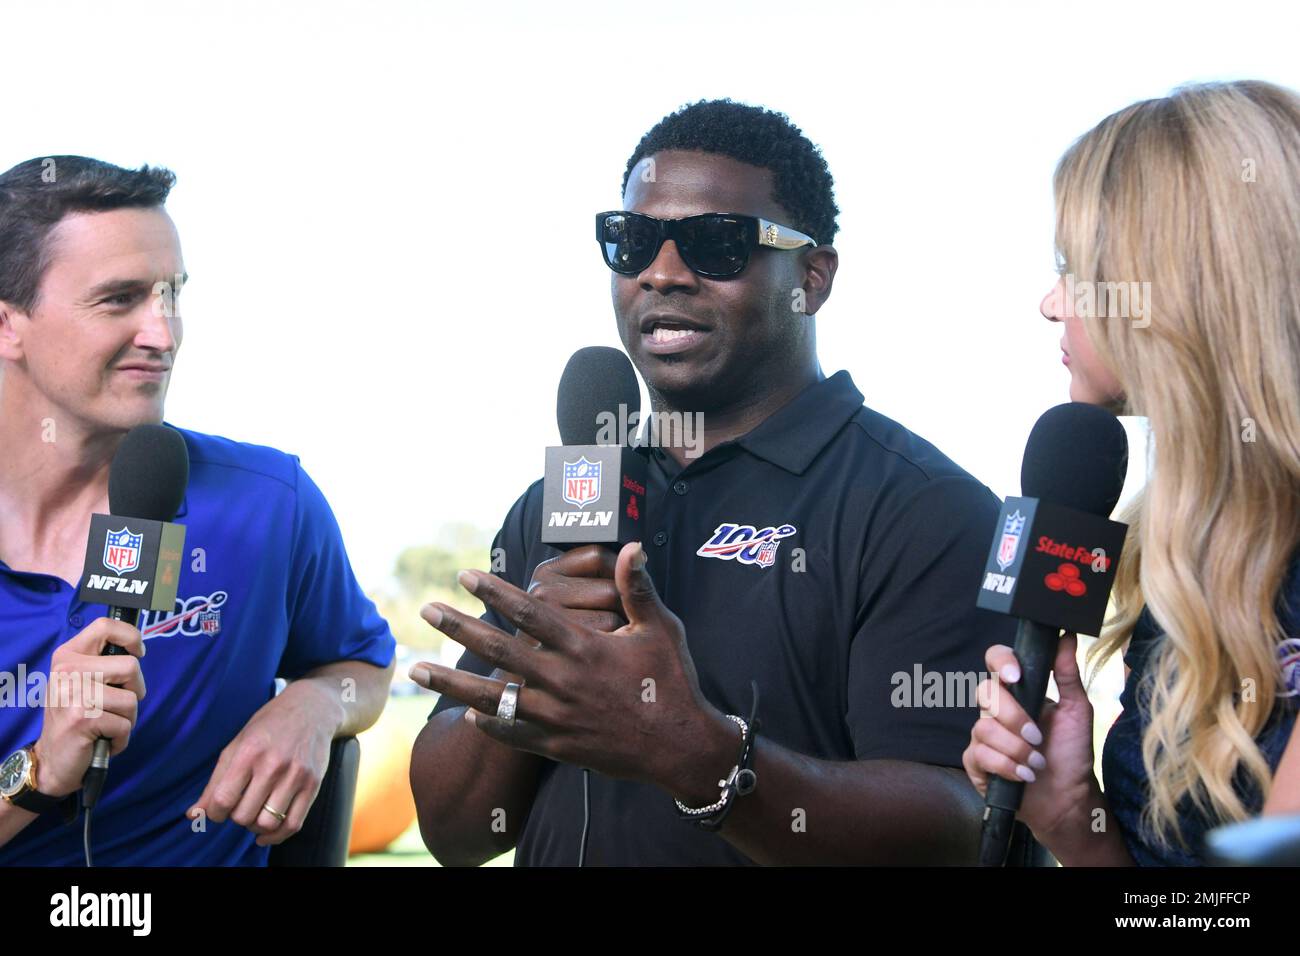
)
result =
(386, 215)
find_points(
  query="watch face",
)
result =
(13, 772)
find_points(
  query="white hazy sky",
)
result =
(348, 172)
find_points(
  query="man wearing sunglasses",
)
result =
(816, 556)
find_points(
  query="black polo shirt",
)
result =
(857, 616)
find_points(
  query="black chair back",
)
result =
(323, 839)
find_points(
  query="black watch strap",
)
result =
(36, 802)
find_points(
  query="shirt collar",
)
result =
(796, 433)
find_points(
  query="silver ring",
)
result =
(509, 703)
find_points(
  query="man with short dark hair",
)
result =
(815, 549)
(210, 766)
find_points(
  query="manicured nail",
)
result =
(432, 614)
(1037, 760)
(1032, 734)
(468, 580)
(1010, 673)
(420, 675)
(1024, 773)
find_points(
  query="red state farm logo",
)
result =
(1066, 578)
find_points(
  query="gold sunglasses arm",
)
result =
(781, 237)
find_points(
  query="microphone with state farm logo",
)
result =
(593, 491)
(133, 558)
(1052, 564)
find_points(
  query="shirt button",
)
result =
(660, 537)
(75, 620)
(682, 487)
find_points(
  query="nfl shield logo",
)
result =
(581, 482)
(210, 622)
(122, 551)
(1010, 543)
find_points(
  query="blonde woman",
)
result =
(1190, 206)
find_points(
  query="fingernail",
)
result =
(1024, 773)
(468, 580)
(419, 674)
(471, 717)
(1037, 760)
(1010, 673)
(433, 614)
(638, 557)
(1032, 734)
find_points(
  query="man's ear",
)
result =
(12, 320)
(819, 268)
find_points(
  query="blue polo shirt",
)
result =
(266, 591)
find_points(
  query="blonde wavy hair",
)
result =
(1198, 193)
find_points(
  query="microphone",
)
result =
(133, 557)
(594, 491)
(1052, 564)
(1264, 841)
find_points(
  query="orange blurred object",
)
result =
(384, 806)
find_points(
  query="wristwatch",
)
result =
(18, 783)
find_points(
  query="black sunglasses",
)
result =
(715, 245)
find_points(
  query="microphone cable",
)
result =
(586, 816)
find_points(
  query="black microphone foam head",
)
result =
(149, 473)
(597, 380)
(1076, 456)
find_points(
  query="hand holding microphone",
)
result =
(582, 582)
(1051, 565)
(133, 555)
(598, 387)
(1053, 755)
(89, 700)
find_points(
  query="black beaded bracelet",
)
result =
(740, 782)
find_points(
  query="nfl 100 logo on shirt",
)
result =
(198, 616)
(745, 543)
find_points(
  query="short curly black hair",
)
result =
(802, 181)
